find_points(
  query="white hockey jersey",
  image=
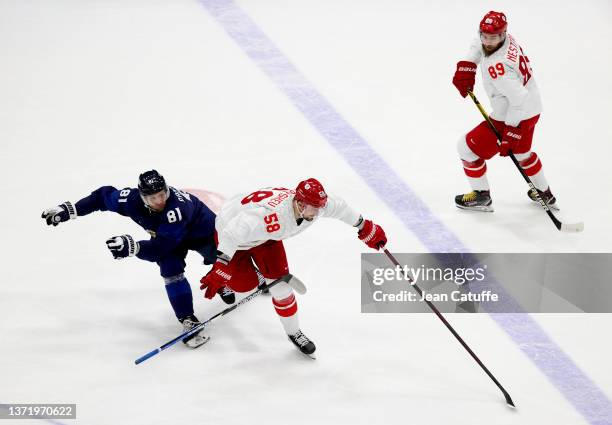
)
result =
(248, 220)
(508, 80)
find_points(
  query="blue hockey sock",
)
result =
(179, 294)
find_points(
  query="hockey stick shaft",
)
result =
(560, 226)
(197, 328)
(452, 330)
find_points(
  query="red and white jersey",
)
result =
(248, 220)
(508, 81)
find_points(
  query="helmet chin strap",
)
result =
(147, 205)
(301, 211)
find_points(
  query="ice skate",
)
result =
(301, 341)
(197, 339)
(547, 196)
(476, 200)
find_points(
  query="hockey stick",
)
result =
(564, 227)
(293, 281)
(452, 330)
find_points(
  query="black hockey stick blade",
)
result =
(509, 400)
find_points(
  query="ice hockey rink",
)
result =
(228, 96)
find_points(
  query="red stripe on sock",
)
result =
(531, 165)
(286, 307)
(474, 169)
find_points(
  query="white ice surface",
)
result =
(93, 92)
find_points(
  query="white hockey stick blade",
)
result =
(572, 227)
(297, 284)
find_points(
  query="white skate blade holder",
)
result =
(198, 341)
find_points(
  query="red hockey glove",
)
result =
(465, 77)
(511, 138)
(215, 279)
(372, 235)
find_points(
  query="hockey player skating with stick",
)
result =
(509, 83)
(250, 229)
(176, 221)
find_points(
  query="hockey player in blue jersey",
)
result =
(176, 221)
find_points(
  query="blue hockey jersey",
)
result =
(185, 221)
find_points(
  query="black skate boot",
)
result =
(476, 200)
(547, 196)
(303, 344)
(197, 339)
(227, 295)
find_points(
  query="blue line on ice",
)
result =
(578, 389)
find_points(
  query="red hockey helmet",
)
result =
(493, 23)
(311, 192)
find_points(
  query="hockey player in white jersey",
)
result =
(510, 85)
(250, 229)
